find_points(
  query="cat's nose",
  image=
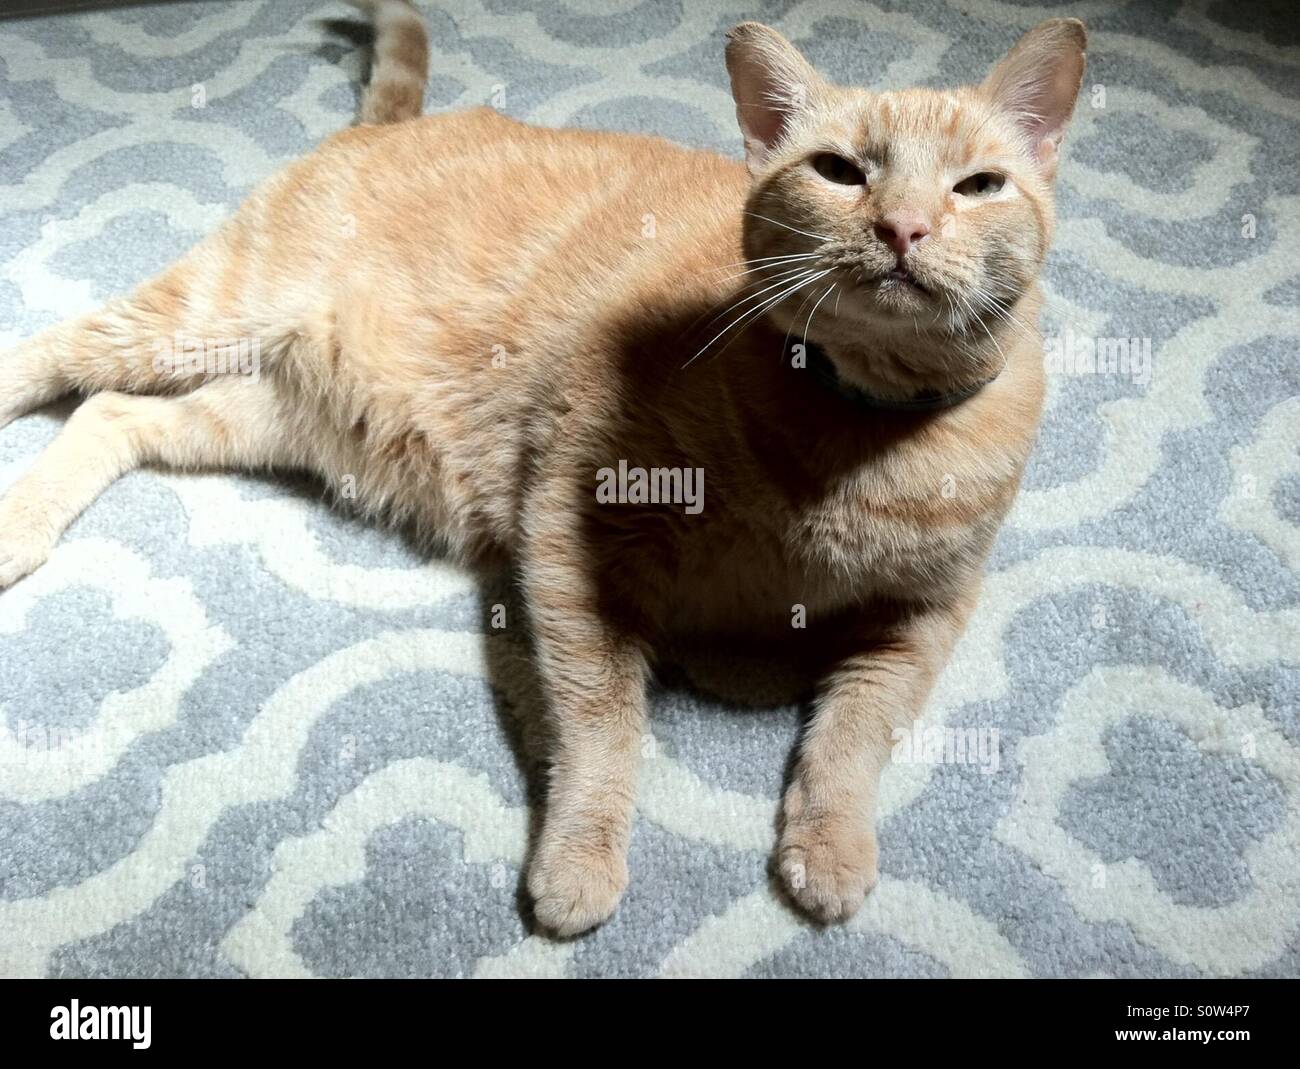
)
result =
(902, 229)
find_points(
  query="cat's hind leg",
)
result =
(185, 326)
(227, 423)
(115, 347)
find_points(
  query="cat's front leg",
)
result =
(827, 850)
(595, 682)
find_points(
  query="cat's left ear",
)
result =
(772, 85)
(1038, 83)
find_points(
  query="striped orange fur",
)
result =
(467, 319)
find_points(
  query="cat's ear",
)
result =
(1038, 82)
(771, 83)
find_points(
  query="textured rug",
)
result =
(242, 734)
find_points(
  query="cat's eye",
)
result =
(980, 185)
(837, 169)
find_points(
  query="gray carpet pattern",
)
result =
(242, 734)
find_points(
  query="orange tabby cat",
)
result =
(471, 321)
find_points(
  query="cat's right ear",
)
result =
(1038, 82)
(772, 85)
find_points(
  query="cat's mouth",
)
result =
(900, 279)
(892, 294)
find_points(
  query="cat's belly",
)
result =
(403, 461)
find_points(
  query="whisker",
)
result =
(785, 282)
(785, 343)
(1001, 311)
(779, 281)
(807, 326)
(740, 290)
(994, 340)
(1019, 327)
(763, 260)
(1005, 306)
(770, 305)
(795, 230)
(759, 279)
(969, 316)
(780, 256)
(756, 311)
(765, 267)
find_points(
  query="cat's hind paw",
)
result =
(22, 551)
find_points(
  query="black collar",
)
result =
(929, 401)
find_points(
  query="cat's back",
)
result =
(480, 234)
(473, 210)
(455, 277)
(459, 171)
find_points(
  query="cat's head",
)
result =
(927, 209)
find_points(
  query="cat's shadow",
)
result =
(726, 678)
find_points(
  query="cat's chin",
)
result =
(892, 305)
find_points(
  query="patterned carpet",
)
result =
(244, 734)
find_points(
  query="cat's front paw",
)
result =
(22, 551)
(575, 884)
(828, 865)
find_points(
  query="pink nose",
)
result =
(901, 230)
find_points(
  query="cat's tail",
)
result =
(400, 64)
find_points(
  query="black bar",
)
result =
(338, 1017)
